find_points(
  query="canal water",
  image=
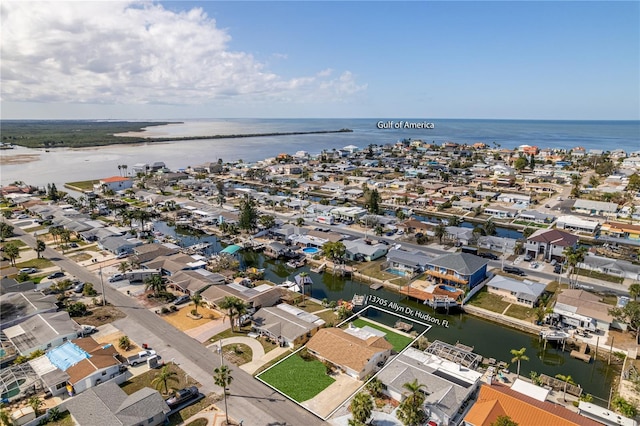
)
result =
(488, 339)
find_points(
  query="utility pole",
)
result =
(104, 300)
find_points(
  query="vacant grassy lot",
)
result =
(144, 380)
(299, 379)
(398, 341)
(521, 312)
(84, 185)
(491, 302)
(35, 263)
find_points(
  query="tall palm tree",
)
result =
(163, 377)
(222, 377)
(12, 251)
(489, 227)
(440, 231)
(155, 283)
(410, 411)
(361, 408)
(518, 355)
(123, 267)
(40, 247)
(234, 306)
(567, 380)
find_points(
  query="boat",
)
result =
(296, 263)
(403, 326)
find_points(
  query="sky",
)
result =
(335, 59)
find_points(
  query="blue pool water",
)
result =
(310, 250)
(448, 288)
(397, 272)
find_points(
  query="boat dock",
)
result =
(581, 353)
(319, 269)
(403, 326)
(376, 286)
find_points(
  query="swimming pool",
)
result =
(448, 288)
(310, 250)
(398, 272)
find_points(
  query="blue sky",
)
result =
(529, 60)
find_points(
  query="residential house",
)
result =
(117, 244)
(275, 250)
(550, 243)
(579, 308)
(575, 223)
(460, 235)
(500, 212)
(448, 387)
(195, 280)
(615, 267)
(597, 208)
(114, 183)
(109, 405)
(620, 230)
(364, 250)
(356, 351)
(499, 244)
(536, 216)
(42, 332)
(458, 270)
(407, 263)
(286, 324)
(526, 293)
(174, 263)
(254, 298)
(147, 252)
(16, 307)
(497, 400)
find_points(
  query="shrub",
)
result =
(88, 290)
(124, 343)
(173, 308)
(77, 309)
(164, 310)
(194, 312)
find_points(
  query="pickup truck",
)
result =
(140, 358)
(86, 330)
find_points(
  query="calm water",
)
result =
(489, 340)
(65, 165)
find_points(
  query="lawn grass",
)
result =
(64, 420)
(237, 353)
(144, 380)
(599, 275)
(17, 243)
(299, 379)
(491, 302)
(84, 185)
(35, 263)
(521, 312)
(266, 345)
(199, 422)
(398, 341)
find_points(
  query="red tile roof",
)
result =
(114, 179)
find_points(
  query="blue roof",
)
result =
(232, 249)
(66, 356)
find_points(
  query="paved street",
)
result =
(249, 399)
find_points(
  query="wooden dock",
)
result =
(376, 286)
(319, 268)
(403, 326)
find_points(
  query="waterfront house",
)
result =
(579, 308)
(500, 212)
(526, 293)
(497, 400)
(364, 250)
(109, 405)
(113, 183)
(275, 250)
(406, 263)
(117, 244)
(264, 295)
(550, 243)
(286, 324)
(460, 235)
(147, 252)
(447, 386)
(195, 281)
(536, 216)
(462, 270)
(620, 230)
(499, 244)
(355, 351)
(575, 223)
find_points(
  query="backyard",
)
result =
(398, 341)
(491, 302)
(297, 378)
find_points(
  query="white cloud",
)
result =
(138, 53)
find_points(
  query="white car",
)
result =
(28, 270)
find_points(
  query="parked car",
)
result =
(122, 255)
(55, 275)
(74, 245)
(181, 299)
(87, 329)
(553, 262)
(182, 395)
(116, 277)
(528, 258)
(78, 288)
(488, 256)
(558, 268)
(28, 270)
(514, 270)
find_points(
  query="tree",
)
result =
(35, 402)
(518, 355)
(454, 221)
(361, 408)
(155, 283)
(440, 231)
(624, 407)
(334, 250)
(489, 227)
(268, 221)
(234, 306)
(65, 237)
(248, 214)
(5, 418)
(163, 377)
(123, 267)
(520, 164)
(373, 201)
(574, 256)
(77, 309)
(6, 231)
(222, 377)
(410, 411)
(40, 247)
(566, 379)
(300, 221)
(532, 162)
(629, 314)
(12, 251)
(634, 183)
(124, 343)
(504, 420)
(634, 291)
(197, 302)
(374, 386)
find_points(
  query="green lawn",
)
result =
(398, 341)
(299, 379)
(144, 380)
(86, 185)
(17, 243)
(520, 312)
(491, 302)
(599, 275)
(35, 263)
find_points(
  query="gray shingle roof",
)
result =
(462, 263)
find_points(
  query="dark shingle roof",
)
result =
(462, 263)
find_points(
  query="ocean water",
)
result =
(62, 165)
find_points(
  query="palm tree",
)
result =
(197, 302)
(518, 355)
(567, 380)
(35, 403)
(12, 251)
(5, 418)
(361, 408)
(454, 220)
(440, 231)
(123, 267)
(634, 291)
(489, 227)
(410, 411)
(164, 376)
(155, 283)
(222, 377)
(374, 386)
(124, 343)
(234, 306)
(574, 256)
(40, 247)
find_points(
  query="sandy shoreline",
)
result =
(6, 160)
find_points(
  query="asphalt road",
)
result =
(249, 399)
